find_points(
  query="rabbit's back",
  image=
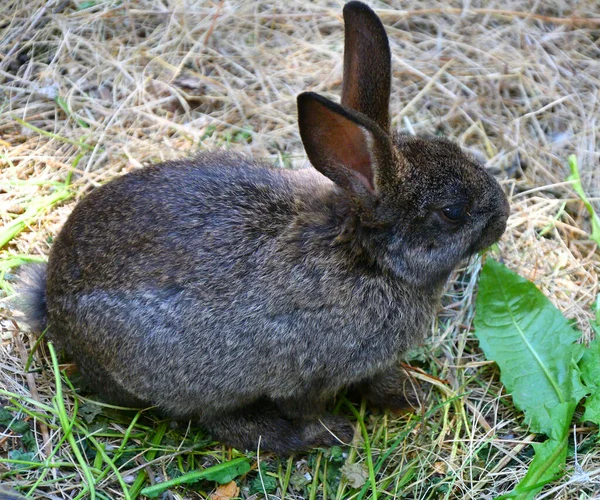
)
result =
(187, 283)
(167, 216)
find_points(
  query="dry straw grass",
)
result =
(115, 85)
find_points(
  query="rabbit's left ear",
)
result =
(346, 146)
(367, 64)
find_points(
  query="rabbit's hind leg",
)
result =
(100, 382)
(392, 389)
(262, 424)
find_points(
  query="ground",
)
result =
(91, 90)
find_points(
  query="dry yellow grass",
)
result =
(115, 85)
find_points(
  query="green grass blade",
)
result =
(158, 436)
(64, 105)
(68, 425)
(12, 261)
(576, 183)
(363, 429)
(102, 453)
(32, 212)
(40, 131)
(224, 472)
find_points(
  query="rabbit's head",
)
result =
(420, 204)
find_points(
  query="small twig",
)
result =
(32, 388)
(214, 23)
(510, 455)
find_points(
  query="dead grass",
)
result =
(115, 85)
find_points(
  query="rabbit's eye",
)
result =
(454, 213)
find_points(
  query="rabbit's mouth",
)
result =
(491, 233)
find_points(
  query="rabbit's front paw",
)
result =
(263, 426)
(329, 430)
(393, 390)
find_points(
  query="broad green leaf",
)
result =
(592, 408)
(263, 482)
(590, 365)
(221, 473)
(532, 343)
(596, 321)
(547, 463)
(19, 427)
(590, 373)
(550, 456)
(19, 455)
(227, 472)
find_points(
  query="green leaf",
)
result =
(532, 343)
(299, 480)
(89, 411)
(221, 473)
(576, 183)
(592, 408)
(263, 482)
(550, 456)
(548, 461)
(225, 473)
(8, 420)
(590, 373)
(86, 5)
(590, 365)
(20, 455)
(596, 321)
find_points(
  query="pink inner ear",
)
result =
(342, 144)
(350, 147)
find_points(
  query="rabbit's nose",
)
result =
(495, 228)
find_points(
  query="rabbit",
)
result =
(246, 297)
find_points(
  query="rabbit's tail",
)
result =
(31, 297)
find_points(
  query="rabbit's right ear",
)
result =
(367, 64)
(346, 146)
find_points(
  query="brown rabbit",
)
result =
(246, 297)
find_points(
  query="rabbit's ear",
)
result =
(367, 64)
(344, 145)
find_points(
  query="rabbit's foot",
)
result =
(265, 428)
(393, 389)
(329, 430)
